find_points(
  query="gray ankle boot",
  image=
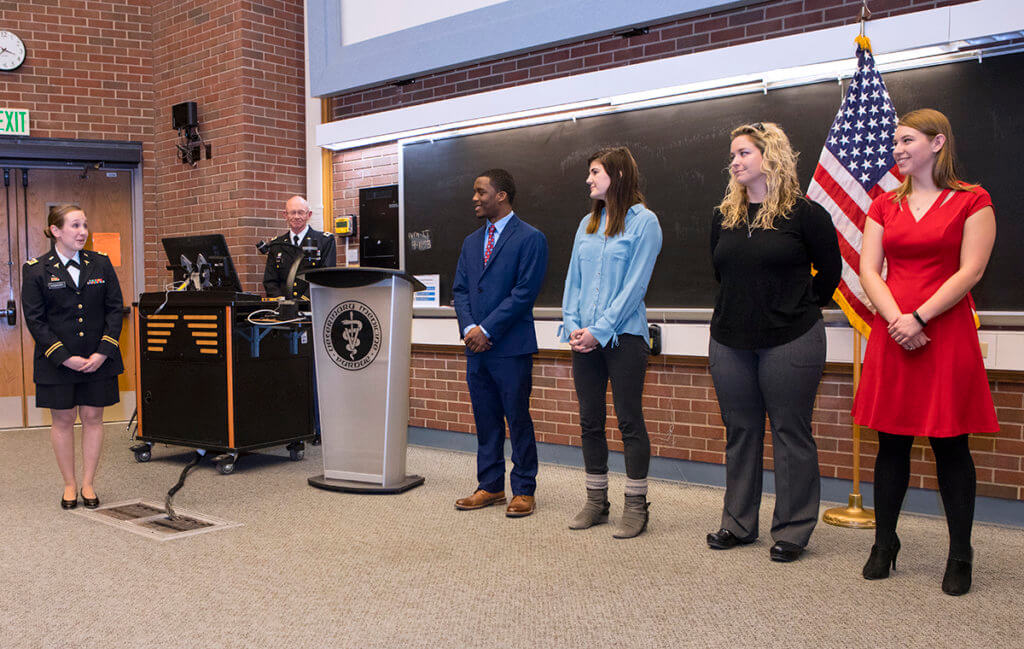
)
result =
(594, 512)
(634, 518)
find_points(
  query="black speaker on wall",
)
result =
(184, 115)
(378, 226)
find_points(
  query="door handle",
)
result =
(11, 312)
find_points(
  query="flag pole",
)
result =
(854, 515)
(844, 164)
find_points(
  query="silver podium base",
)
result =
(354, 486)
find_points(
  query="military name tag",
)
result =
(56, 285)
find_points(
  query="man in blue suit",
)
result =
(500, 272)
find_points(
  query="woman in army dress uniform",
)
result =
(73, 308)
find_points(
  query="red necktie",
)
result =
(490, 243)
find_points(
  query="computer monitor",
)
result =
(205, 255)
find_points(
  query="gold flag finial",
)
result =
(865, 14)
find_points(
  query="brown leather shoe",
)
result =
(521, 506)
(480, 499)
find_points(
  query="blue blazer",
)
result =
(500, 296)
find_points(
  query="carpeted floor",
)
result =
(311, 568)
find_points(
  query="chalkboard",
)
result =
(682, 152)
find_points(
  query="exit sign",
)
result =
(13, 122)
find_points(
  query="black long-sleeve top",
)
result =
(768, 296)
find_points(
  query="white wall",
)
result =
(362, 20)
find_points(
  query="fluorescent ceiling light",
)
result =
(722, 87)
(634, 97)
(493, 120)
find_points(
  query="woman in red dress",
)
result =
(923, 371)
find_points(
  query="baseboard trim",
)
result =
(997, 511)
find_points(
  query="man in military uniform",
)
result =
(316, 248)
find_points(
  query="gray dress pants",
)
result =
(781, 381)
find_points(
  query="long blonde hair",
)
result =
(779, 166)
(946, 172)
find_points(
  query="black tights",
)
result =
(954, 469)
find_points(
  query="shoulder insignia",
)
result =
(97, 252)
(32, 261)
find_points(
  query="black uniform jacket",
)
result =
(282, 253)
(68, 321)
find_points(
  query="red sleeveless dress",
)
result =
(941, 389)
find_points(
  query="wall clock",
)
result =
(12, 51)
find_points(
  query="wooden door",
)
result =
(106, 197)
(12, 375)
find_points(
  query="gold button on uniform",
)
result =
(79, 306)
(80, 333)
(79, 319)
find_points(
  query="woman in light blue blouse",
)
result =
(605, 324)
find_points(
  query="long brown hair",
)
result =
(56, 216)
(778, 162)
(623, 192)
(946, 172)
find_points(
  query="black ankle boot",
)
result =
(957, 579)
(881, 558)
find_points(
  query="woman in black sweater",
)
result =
(767, 346)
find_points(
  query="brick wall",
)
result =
(111, 70)
(354, 170)
(703, 32)
(242, 62)
(683, 418)
(88, 73)
(679, 401)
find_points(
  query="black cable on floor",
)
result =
(181, 482)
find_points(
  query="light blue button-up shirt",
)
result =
(608, 278)
(499, 225)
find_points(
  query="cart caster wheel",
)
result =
(226, 468)
(143, 456)
(296, 451)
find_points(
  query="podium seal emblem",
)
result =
(352, 335)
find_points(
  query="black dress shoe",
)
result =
(91, 503)
(957, 580)
(723, 539)
(784, 551)
(881, 558)
(68, 504)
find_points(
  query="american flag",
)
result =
(856, 166)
